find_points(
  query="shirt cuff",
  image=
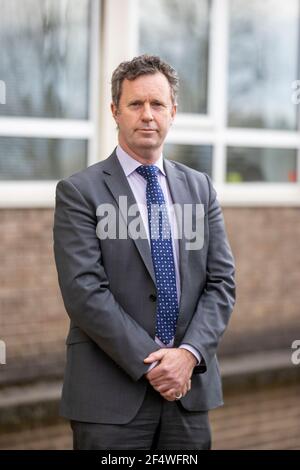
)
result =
(154, 364)
(193, 351)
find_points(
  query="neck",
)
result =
(148, 157)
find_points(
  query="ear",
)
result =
(174, 111)
(114, 111)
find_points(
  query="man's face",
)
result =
(145, 113)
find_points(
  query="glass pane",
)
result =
(198, 157)
(40, 159)
(263, 63)
(178, 32)
(261, 164)
(44, 58)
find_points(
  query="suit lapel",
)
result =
(118, 185)
(181, 195)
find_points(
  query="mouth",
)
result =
(147, 130)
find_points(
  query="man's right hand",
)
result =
(169, 394)
(171, 377)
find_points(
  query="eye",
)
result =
(135, 104)
(156, 104)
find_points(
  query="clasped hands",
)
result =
(172, 376)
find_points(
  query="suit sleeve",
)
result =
(217, 300)
(85, 287)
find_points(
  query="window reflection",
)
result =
(261, 165)
(178, 32)
(44, 58)
(40, 159)
(198, 157)
(263, 61)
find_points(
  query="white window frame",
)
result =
(211, 129)
(220, 137)
(119, 19)
(41, 193)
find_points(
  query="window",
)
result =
(184, 45)
(47, 124)
(236, 60)
(40, 159)
(263, 62)
(261, 164)
(236, 120)
(195, 156)
(46, 67)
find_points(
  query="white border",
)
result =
(52, 128)
(95, 60)
(259, 194)
(237, 137)
(27, 194)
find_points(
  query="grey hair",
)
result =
(143, 65)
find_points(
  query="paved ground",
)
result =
(265, 419)
(268, 418)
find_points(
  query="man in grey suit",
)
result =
(147, 306)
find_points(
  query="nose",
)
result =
(147, 113)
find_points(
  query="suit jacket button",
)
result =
(152, 297)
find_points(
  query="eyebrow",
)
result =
(139, 101)
(135, 101)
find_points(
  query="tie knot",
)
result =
(148, 171)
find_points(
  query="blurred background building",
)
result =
(237, 121)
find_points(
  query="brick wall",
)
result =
(265, 243)
(33, 322)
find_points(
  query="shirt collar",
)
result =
(129, 164)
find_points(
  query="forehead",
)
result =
(147, 86)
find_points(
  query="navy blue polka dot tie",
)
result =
(162, 255)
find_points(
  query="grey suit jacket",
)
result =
(108, 288)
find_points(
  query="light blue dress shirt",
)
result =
(138, 186)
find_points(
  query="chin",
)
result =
(146, 145)
(149, 141)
